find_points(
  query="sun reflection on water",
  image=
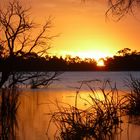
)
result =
(36, 105)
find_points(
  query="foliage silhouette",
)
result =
(126, 61)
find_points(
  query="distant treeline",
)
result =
(125, 60)
(33, 62)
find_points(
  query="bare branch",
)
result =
(33, 79)
(17, 27)
(119, 8)
(41, 39)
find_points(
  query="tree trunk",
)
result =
(4, 77)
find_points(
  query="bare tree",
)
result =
(18, 38)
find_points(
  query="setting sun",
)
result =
(100, 63)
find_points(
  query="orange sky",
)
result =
(83, 29)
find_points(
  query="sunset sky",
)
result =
(83, 29)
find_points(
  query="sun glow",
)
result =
(100, 63)
(97, 55)
(89, 54)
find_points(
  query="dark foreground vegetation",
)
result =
(103, 117)
(100, 119)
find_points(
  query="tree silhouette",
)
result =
(18, 31)
(124, 51)
(18, 38)
(126, 60)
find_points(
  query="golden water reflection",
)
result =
(35, 105)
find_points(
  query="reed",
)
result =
(133, 97)
(100, 121)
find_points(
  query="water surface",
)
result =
(35, 104)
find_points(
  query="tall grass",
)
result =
(8, 109)
(100, 121)
(133, 97)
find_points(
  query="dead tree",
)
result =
(20, 36)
